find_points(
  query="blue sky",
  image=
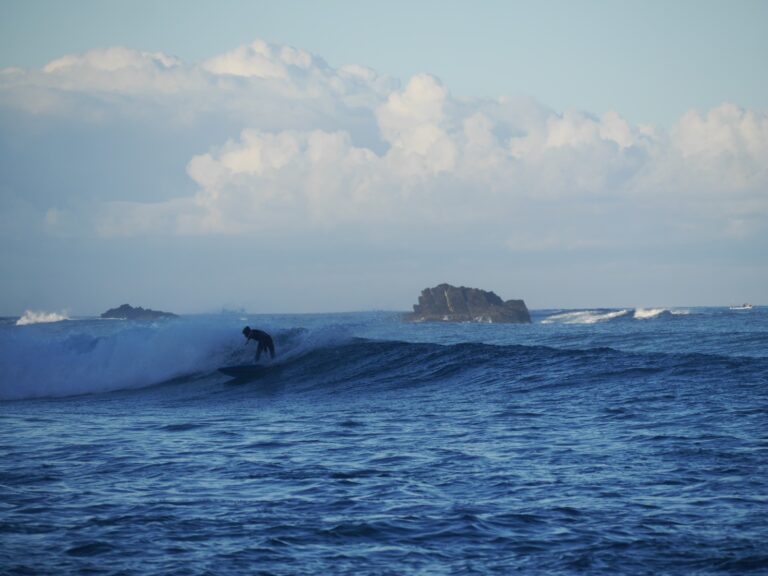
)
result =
(321, 156)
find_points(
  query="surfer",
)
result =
(264, 340)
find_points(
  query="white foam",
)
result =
(31, 317)
(584, 317)
(649, 313)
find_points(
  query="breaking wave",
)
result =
(95, 356)
(31, 317)
(649, 313)
(586, 317)
(595, 316)
(138, 356)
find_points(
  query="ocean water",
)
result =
(588, 442)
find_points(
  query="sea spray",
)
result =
(32, 317)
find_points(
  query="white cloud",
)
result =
(111, 60)
(727, 147)
(261, 86)
(287, 180)
(314, 148)
(117, 70)
(260, 60)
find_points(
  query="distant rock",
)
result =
(128, 312)
(446, 303)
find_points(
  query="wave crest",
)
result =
(585, 317)
(649, 313)
(595, 316)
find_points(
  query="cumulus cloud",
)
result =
(310, 147)
(292, 179)
(261, 85)
(726, 146)
(261, 60)
(111, 60)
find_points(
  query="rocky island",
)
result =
(446, 303)
(128, 312)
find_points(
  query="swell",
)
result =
(367, 365)
(114, 358)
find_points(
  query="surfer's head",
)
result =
(247, 330)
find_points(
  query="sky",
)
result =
(338, 156)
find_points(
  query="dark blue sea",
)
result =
(588, 442)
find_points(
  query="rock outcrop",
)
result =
(128, 312)
(446, 303)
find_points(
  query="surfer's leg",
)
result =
(271, 349)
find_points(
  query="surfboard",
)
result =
(244, 370)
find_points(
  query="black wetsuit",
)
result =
(264, 340)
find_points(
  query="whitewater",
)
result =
(599, 441)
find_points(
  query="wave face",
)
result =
(374, 446)
(88, 357)
(96, 356)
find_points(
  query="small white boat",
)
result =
(744, 306)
